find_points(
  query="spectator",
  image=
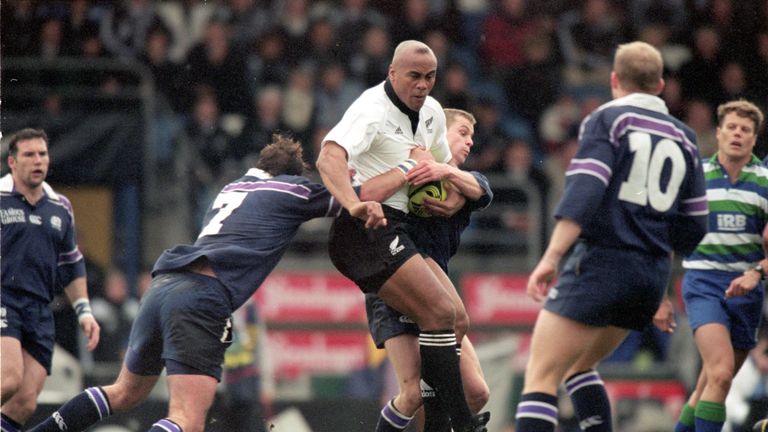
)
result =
(292, 21)
(79, 25)
(699, 116)
(506, 30)
(112, 308)
(356, 17)
(299, 107)
(699, 75)
(20, 25)
(588, 35)
(124, 27)
(216, 64)
(248, 20)
(268, 64)
(335, 93)
(185, 21)
(371, 61)
(202, 148)
(322, 45)
(264, 122)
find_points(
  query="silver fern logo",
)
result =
(395, 247)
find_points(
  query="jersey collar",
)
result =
(258, 173)
(6, 185)
(641, 100)
(413, 116)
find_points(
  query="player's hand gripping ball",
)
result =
(416, 195)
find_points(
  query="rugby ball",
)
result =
(416, 195)
(761, 426)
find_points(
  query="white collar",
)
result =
(256, 172)
(6, 185)
(640, 100)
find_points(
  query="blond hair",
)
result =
(638, 67)
(452, 113)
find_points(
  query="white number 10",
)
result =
(643, 186)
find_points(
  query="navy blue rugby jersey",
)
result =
(636, 180)
(39, 253)
(249, 226)
(439, 237)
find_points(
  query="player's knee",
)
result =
(461, 324)
(442, 315)
(720, 377)
(11, 383)
(24, 405)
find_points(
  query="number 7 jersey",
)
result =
(248, 228)
(636, 180)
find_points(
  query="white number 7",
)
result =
(226, 202)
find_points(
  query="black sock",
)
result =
(440, 369)
(8, 424)
(536, 412)
(80, 413)
(435, 418)
(590, 401)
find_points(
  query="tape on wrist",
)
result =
(82, 308)
(406, 165)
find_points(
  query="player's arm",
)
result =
(752, 277)
(385, 185)
(77, 293)
(332, 166)
(564, 235)
(464, 182)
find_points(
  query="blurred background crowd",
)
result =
(161, 102)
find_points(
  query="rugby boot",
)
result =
(761, 426)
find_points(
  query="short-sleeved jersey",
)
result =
(738, 213)
(249, 226)
(39, 248)
(439, 238)
(636, 180)
(378, 132)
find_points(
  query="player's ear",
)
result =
(660, 86)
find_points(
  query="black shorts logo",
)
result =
(226, 336)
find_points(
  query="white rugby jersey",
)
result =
(377, 133)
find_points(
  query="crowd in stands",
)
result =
(229, 73)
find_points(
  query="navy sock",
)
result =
(8, 424)
(685, 422)
(391, 420)
(440, 369)
(709, 416)
(81, 412)
(536, 412)
(165, 425)
(435, 418)
(590, 401)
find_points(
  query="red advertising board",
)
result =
(498, 299)
(310, 297)
(296, 351)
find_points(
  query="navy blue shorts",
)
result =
(369, 257)
(601, 286)
(31, 322)
(704, 296)
(184, 324)
(385, 322)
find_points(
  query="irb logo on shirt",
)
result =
(731, 222)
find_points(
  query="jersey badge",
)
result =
(3, 319)
(428, 123)
(35, 220)
(398, 131)
(395, 247)
(56, 222)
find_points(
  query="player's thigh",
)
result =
(11, 361)
(190, 398)
(22, 404)
(129, 389)
(714, 343)
(458, 304)
(557, 343)
(415, 290)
